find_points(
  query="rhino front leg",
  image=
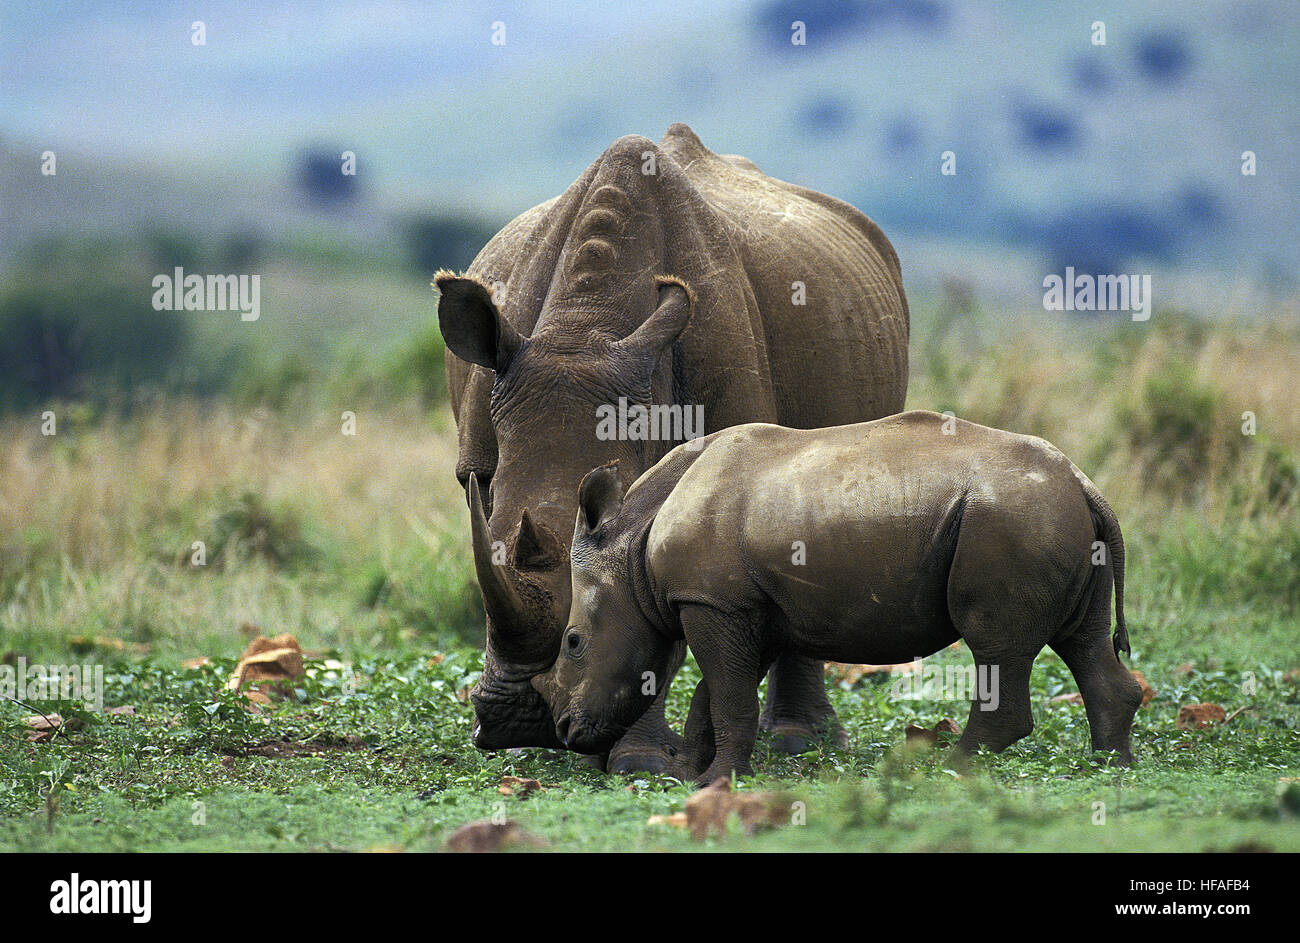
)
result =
(698, 747)
(727, 650)
(650, 745)
(797, 709)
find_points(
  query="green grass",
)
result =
(393, 766)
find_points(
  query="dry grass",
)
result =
(1121, 401)
(97, 522)
(98, 489)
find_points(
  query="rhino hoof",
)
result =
(651, 762)
(791, 744)
(796, 740)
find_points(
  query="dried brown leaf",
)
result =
(708, 810)
(1148, 692)
(848, 675)
(916, 736)
(1198, 716)
(518, 785)
(266, 665)
(486, 835)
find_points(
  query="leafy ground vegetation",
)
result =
(356, 545)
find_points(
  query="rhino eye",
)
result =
(574, 643)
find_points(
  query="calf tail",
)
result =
(1108, 525)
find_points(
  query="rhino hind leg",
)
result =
(1111, 695)
(797, 711)
(701, 745)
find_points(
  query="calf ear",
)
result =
(600, 498)
(472, 327)
(670, 317)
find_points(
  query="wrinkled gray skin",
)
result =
(665, 287)
(913, 539)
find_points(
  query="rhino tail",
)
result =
(1109, 532)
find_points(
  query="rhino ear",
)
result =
(670, 317)
(472, 327)
(536, 548)
(600, 498)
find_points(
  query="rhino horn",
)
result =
(536, 548)
(676, 304)
(500, 597)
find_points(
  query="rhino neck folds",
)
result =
(643, 590)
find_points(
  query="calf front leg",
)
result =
(728, 651)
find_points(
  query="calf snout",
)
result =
(583, 734)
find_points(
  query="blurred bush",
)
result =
(77, 322)
(320, 177)
(1179, 430)
(434, 242)
(418, 366)
(84, 334)
(247, 526)
(431, 588)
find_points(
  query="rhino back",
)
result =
(740, 239)
(841, 356)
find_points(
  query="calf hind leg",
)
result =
(1111, 695)
(1000, 713)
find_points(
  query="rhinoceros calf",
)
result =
(877, 542)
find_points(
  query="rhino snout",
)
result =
(562, 729)
(510, 714)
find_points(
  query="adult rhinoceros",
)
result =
(666, 275)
